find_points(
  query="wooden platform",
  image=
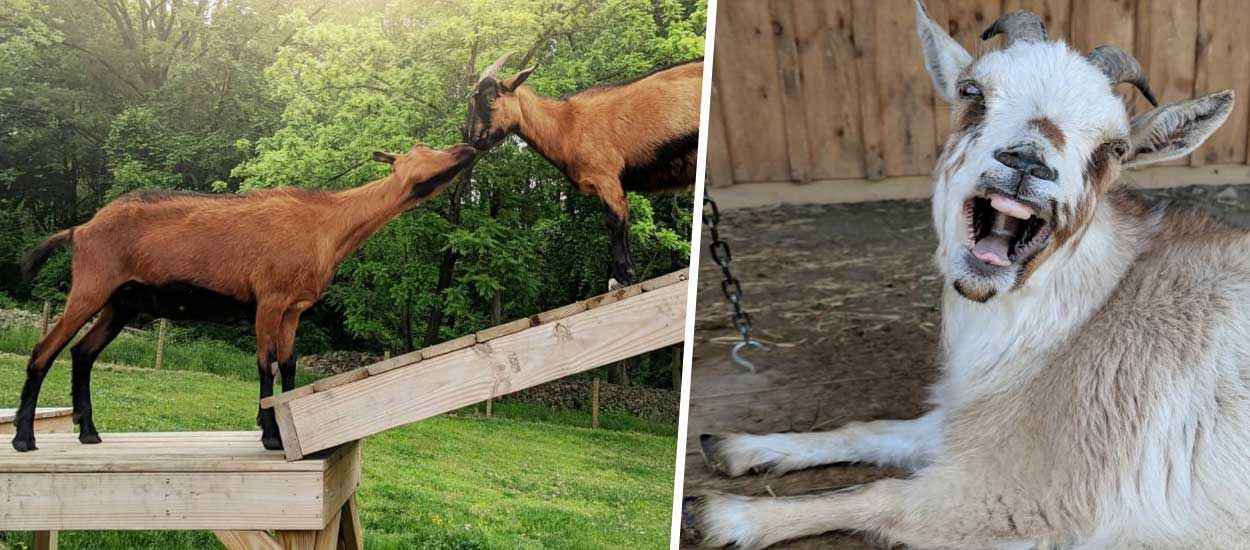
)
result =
(220, 481)
(48, 420)
(494, 362)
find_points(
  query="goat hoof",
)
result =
(614, 284)
(272, 443)
(720, 521)
(24, 444)
(690, 526)
(91, 438)
(708, 445)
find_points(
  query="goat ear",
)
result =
(943, 56)
(518, 79)
(1176, 129)
(384, 157)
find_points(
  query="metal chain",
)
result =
(730, 286)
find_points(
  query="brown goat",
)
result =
(267, 254)
(641, 135)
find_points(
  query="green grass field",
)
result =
(527, 478)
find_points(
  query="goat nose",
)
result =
(1027, 160)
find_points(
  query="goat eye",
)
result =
(969, 89)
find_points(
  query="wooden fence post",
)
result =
(489, 412)
(594, 406)
(46, 318)
(160, 344)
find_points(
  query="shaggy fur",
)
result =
(267, 254)
(1093, 395)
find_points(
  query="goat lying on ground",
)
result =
(1095, 388)
(269, 254)
(641, 135)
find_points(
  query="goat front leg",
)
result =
(616, 215)
(268, 327)
(905, 443)
(935, 513)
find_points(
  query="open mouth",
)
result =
(1002, 231)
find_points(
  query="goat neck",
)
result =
(544, 125)
(362, 211)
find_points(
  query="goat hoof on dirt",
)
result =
(86, 438)
(719, 521)
(24, 444)
(708, 444)
(272, 443)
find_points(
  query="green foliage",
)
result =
(258, 94)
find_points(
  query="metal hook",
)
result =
(747, 343)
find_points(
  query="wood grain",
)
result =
(788, 69)
(540, 354)
(829, 66)
(746, 77)
(908, 145)
(1223, 51)
(719, 166)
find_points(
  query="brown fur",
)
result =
(1050, 131)
(276, 250)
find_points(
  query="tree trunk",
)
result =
(405, 327)
(676, 366)
(435, 322)
(618, 374)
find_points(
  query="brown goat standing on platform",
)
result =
(641, 135)
(268, 254)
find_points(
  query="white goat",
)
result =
(1095, 390)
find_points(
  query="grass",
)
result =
(529, 477)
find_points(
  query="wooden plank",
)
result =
(908, 145)
(247, 540)
(1167, 39)
(287, 431)
(505, 329)
(448, 346)
(394, 363)
(146, 501)
(864, 22)
(614, 296)
(169, 452)
(7, 415)
(798, 151)
(45, 540)
(296, 540)
(48, 420)
(285, 396)
(765, 194)
(1106, 22)
(557, 313)
(662, 281)
(746, 77)
(328, 538)
(353, 532)
(1223, 48)
(342, 478)
(963, 20)
(831, 88)
(719, 167)
(340, 379)
(540, 354)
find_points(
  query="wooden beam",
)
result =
(45, 540)
(352, 532)
(247, 540)
(765, 194)
(510, 363)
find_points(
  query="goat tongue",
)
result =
(994, 247)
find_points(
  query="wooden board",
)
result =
(963, 20)
(1223, 51)
(1106, 23)
(719, 168)
(449, 346)
(48, 420)
(828, 60)
(510, 363)
(784, 43)
(1167, 39)
(613, 296)
(864, 20)
(908, 145)
(746, 78)
(503, 330)
(184, 480)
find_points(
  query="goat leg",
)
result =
(616, 215)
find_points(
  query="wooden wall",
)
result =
(835, 91)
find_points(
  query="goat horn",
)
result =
(1120, 66)
(493, 69)
(1017, 26)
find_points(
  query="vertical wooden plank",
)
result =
(906, 94)
(719, 168)
(1106, 22)
(1223, 51)
(864, 22)
(746, 77)
(594, 406)
(247, 540)
(353, 533)
(963, 20)
(296, 540)
(784, 41)
(45, 540)
(831, 87)
(1167, 39)
(160, 343)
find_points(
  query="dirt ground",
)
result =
(847, 297)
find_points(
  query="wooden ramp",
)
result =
(220, 481)
(491, 363)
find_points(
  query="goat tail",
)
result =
(37, 256)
